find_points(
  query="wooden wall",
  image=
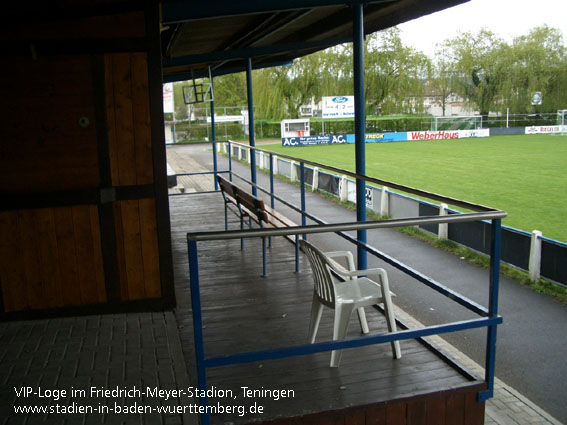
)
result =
(453, 407)
(84, 219)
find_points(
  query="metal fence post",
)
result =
(198, 325)
(495, 241)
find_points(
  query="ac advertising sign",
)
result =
(313, 140)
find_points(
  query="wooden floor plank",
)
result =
(243, 311)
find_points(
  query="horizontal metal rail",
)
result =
(319, 347)
(342, 227)
(392, 185)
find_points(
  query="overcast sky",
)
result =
(506, 18)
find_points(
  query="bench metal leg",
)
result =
(241, 228)
(225, 218)
(263, 257)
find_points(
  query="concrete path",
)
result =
(532, 343)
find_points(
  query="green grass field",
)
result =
(526, 176)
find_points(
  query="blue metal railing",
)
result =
(489, 315)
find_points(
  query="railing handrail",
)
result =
(407, 189)
(346, 226)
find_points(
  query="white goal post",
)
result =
(462, 122)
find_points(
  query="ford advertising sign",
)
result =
(338, 106)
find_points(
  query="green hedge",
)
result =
(272, 129)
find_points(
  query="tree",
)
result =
(442, 76)
(481, 61)
(540, 64)
(395, 74)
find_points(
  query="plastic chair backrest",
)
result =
(324, 283)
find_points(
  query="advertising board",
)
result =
(338, 106)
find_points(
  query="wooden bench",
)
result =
(249, 206)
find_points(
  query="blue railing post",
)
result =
(229, 161)
(272, 203)
(272, 180)
(495, 241)
(198, 325)
(359, 125)
(302, 176)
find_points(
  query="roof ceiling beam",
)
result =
(188, 75)
(251, 52)
(183, 11)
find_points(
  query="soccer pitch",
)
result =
(526, 176)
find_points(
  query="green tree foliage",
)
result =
(442, 78)
(540, 65)
(395, 75)
(230, 90)
(482, 61)
(483, 69)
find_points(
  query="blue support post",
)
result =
(251, 136)
(302, 176)
(198, 326)
(495, 241)
(359, 125)
(214, 134)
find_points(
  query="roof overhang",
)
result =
(223, 34)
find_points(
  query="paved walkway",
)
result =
(129, 355)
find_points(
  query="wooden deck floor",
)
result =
(244, 312)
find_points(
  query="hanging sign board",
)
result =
(338, 106)
(168, 98)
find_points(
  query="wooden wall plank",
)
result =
(455, 409)
(12, 276)
(64, 229)
(85, 246)
(31, 258)
(355, 418)
(111, 117)
(435, 411)
(124, 143)
(375, 416)
(49, 258)
(141, 118)
(474, 410)
(133, 249)
(120, 251)
(150, 251)
(44, 100)
(396, 414)
(97, 258)
(417, 413)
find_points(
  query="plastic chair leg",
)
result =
(316, 312)
(342, 319)
(362, 320)
(296, 253)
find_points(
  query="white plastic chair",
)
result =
(345, 296)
